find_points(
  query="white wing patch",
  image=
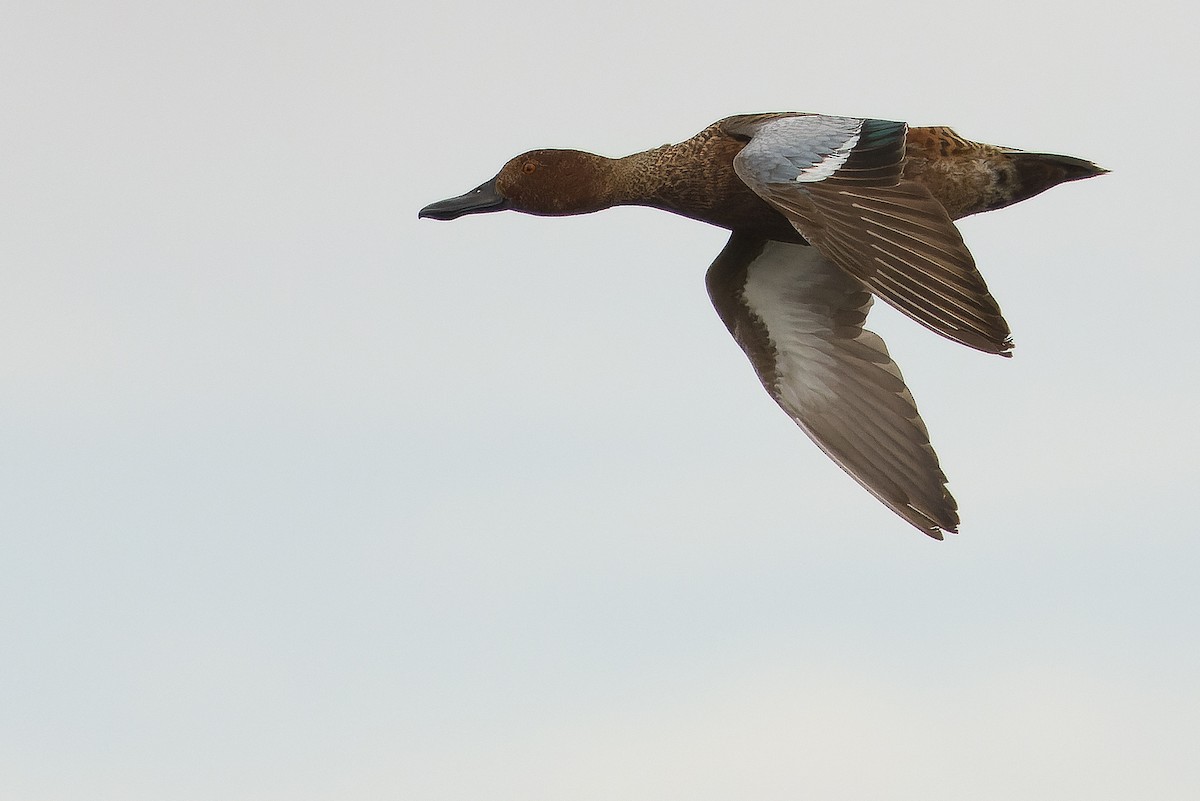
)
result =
(830, 164)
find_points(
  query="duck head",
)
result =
(542, 182)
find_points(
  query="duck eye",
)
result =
(528, 167)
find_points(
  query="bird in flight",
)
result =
(824, 212)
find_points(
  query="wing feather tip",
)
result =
(934, 522)
(938, 530)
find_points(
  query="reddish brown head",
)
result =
(544, 182)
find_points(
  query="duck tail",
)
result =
(1037, 172)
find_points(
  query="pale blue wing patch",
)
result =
(798, 149)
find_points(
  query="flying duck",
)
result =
(824, 213)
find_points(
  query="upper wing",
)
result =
(799, 318)
(839, 181)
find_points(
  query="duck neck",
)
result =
(639, 180)
(590, 183)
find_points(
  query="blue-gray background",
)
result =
(301, 498)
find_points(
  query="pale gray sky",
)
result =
(303, 499)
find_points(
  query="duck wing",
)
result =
(839, 181)
(799, 318)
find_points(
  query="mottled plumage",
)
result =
(825, 211)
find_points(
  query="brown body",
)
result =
(696, 179)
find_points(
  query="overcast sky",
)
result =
(302, 498)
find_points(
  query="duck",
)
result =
(825, 213)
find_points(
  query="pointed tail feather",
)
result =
(1037, 172)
